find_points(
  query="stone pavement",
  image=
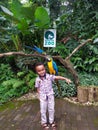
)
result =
(25, 115)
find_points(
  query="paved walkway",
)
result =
(26, 116)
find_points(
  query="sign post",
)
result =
(50, 38)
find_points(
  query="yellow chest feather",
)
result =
(51, 69)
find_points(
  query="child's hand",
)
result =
(68, 81)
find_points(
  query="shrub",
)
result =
(12, 86)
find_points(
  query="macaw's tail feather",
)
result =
(29, 47)
(38, 49)
(55, 68)
(56, 73)
(35, 48)
(59, 87)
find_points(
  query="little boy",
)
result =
(46, 95)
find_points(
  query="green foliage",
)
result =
(17, 42)
(5, 72)
(66, 90)
(64, 49)
(86, 61)
(31, 83)
(12, 85)
(88, 79)
(54, 6)
(23, 14)
(12, 88)
(59, 50)
(27, 23)
(83, 19)
(30, 79)
(21, 74)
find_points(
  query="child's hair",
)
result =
(37, 64)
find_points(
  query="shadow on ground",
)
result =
(25, 115)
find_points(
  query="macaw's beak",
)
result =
(48, 59)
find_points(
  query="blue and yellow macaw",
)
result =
(53, 69)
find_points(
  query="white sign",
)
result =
(50, 38)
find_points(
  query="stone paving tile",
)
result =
(67, 115)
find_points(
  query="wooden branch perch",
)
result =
(77, 48)
(22, 54)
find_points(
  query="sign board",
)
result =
(50, 38)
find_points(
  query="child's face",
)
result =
(40, 70)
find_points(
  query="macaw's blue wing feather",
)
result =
(38, 49)
(55, 67)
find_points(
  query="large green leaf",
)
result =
(15, 7)
(42, 18)
(23, 26)
(21, 11)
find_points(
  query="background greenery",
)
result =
(24, 24)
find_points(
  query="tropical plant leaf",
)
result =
(18, 84)
(15, 7)
(96, 40)
(42, 19)
(7, 11)
(23, 12)
(23, 26)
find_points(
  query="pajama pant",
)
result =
(47, 103)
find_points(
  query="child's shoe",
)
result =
(45, 126)
(53, 125)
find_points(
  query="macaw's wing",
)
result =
(55, 67)
(38, 49)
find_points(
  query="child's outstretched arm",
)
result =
(63, 78)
